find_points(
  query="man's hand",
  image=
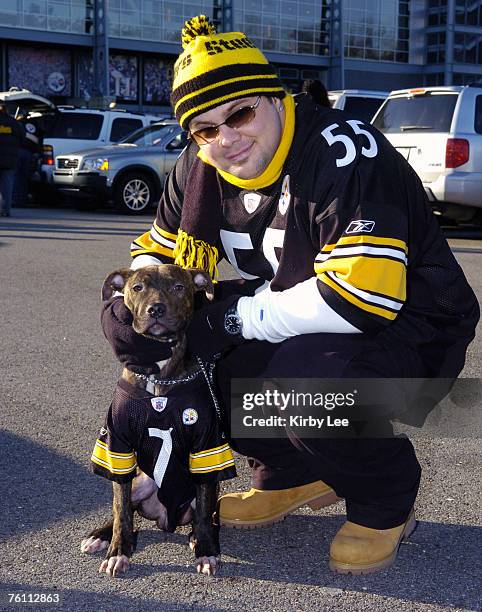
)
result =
(207, 335)
(133, 350)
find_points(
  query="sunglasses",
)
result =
(242, 116)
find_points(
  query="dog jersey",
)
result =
(174, 439)
(350, 210)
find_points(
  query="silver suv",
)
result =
(131, 173)
(439, 131)
(75, 129)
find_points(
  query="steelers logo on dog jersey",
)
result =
(189, 416)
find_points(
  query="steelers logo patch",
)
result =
(189, 416)
(285, 197)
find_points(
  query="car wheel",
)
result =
(134, 193)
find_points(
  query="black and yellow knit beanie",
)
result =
(216, 68)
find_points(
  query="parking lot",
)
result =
(57, 377)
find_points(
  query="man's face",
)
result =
(245, 151)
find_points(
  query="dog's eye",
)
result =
(138, 287)
(178, 287)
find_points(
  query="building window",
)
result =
(287, 26)
(376, 30)
(468, 48)
(435, 79)
(465, 79)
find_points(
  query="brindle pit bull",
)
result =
(160, 299)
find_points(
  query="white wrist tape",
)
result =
(277, 315)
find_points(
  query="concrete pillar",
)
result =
(336, 71)
(449, 43)
(101, 49)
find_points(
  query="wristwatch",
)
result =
(232, 321)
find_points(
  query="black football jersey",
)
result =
(174, 439)
(350, 210)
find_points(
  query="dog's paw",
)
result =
(208, 565)
(114, 566)
(92, 545)
(192, 542)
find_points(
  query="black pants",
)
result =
(378, 478)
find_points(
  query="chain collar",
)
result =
(168, 381)
(205, 369)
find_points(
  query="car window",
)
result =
(478, 115)
(148, 136)
(428, 112)
(122, 127)
(362, 108)
(81, 126)
(177, 143)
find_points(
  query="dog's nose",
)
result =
(156, 310)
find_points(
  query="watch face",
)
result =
(232, 324)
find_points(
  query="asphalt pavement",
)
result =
(57, 376)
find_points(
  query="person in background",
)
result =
(29, 152)
(316, 89)
(11, 136)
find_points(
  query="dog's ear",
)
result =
(202, 282)
(115, 282)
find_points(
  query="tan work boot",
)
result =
(257, 508)
(361, 550)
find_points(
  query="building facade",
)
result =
(76, 50)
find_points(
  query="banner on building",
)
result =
(123, 77)
(158, 76)
(46, 72)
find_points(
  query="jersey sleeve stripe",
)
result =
(379, 276)
(104, 446)
(366, 251)
(212, 461)
(212, 468)
(164, 232)
(116, 463)
(211, 451)
(364, 321)
(361, 292)
(157, 237)
(356, 301)
(146, 244)
(366, 296)
(108, 467)
(368, 240)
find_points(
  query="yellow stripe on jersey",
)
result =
(385, 277)
(145, 244)
(378, 310)
(116, 463)
(364, 239)
(164, 233)
(211, 460)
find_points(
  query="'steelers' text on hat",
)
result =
(216, 68)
